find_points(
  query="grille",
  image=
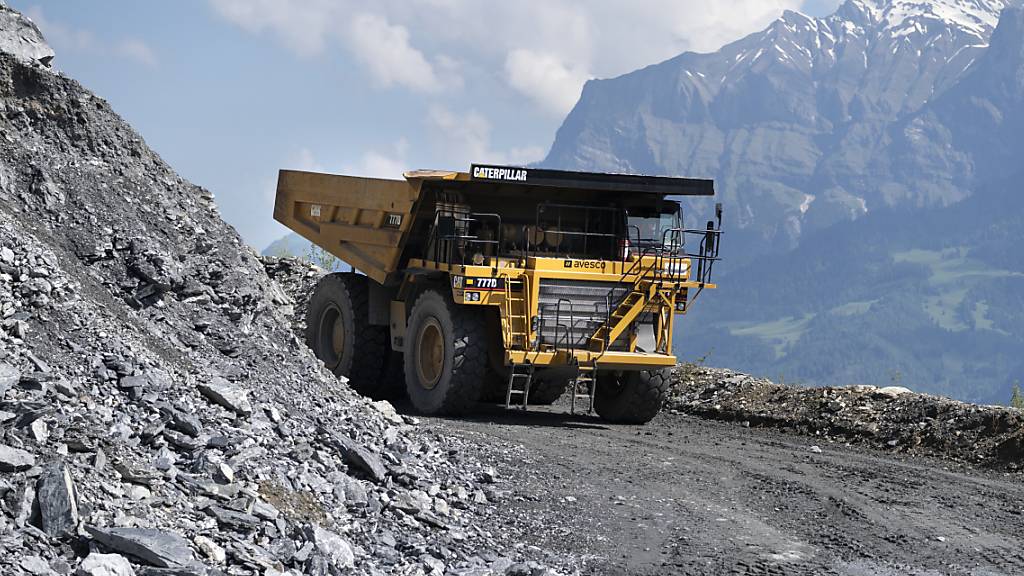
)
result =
(584, 309)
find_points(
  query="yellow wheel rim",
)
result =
(430, 353)
(338, 337)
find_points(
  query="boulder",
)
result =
(9, 376)
(357, 456)
(155, 547)
(15, 459)
(57, 501)
(20, 37)
(335, 549)
(226, 394)
(97, 564)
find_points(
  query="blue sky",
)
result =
(230, 91)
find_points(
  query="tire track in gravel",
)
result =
(688, 496)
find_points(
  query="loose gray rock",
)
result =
(37, 566)
(210, 548)
(335, 549)
(232, 519)
(15, 459)
(97, 564)
(9, 376)
(226, 394)
(186, 423)
(57, 501)
(21, 37)
(413, 502)
(160, 549)
(357, 456)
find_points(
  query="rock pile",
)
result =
(889, 418)
(158, 414)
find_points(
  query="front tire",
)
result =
(631, 397)
(445, 356)
(340, 334)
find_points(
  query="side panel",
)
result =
(363, 221)
(380, 304)
(398, 326)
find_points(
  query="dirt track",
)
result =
(688, 496)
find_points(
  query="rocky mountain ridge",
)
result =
(868, 161)
(797, 122)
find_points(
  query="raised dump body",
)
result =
(503, 282)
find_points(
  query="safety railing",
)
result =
(453, 235)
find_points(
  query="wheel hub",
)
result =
(331, 337)
(430, 353)
(338, 337)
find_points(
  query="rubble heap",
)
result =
(890, 418)
(157, 413)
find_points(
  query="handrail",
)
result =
(461, 240)
(510, 332)
(558, 323)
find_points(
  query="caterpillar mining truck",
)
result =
(503, 284)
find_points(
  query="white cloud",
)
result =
(139, 51)
(543, 49)
(544, 79)
(386, 52)
(390, 164)
(302, 25)
(63, 37)
(307, 27)
(467, 138)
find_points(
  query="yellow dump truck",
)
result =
(503, 284)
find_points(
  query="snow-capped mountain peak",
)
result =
(978, 17)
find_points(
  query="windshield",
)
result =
(651, 228)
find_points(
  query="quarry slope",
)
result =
(157, 415)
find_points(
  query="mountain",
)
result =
(289, 245)
(795, 121)
(869, 165)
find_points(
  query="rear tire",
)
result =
(445, 355)
(631, 397)
(340, 334)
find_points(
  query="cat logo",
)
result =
(499, 173)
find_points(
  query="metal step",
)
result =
(586, 378)
(523, 375)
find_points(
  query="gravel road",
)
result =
(684, 495)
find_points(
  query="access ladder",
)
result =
(521, 374)
(585, 380)
(517, 313)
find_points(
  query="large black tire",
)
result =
(339, 332)
(393, 379)
(495, 385)
(445, 355)
(548, 386)
(631, 397)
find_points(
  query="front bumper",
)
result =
(609, 360)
